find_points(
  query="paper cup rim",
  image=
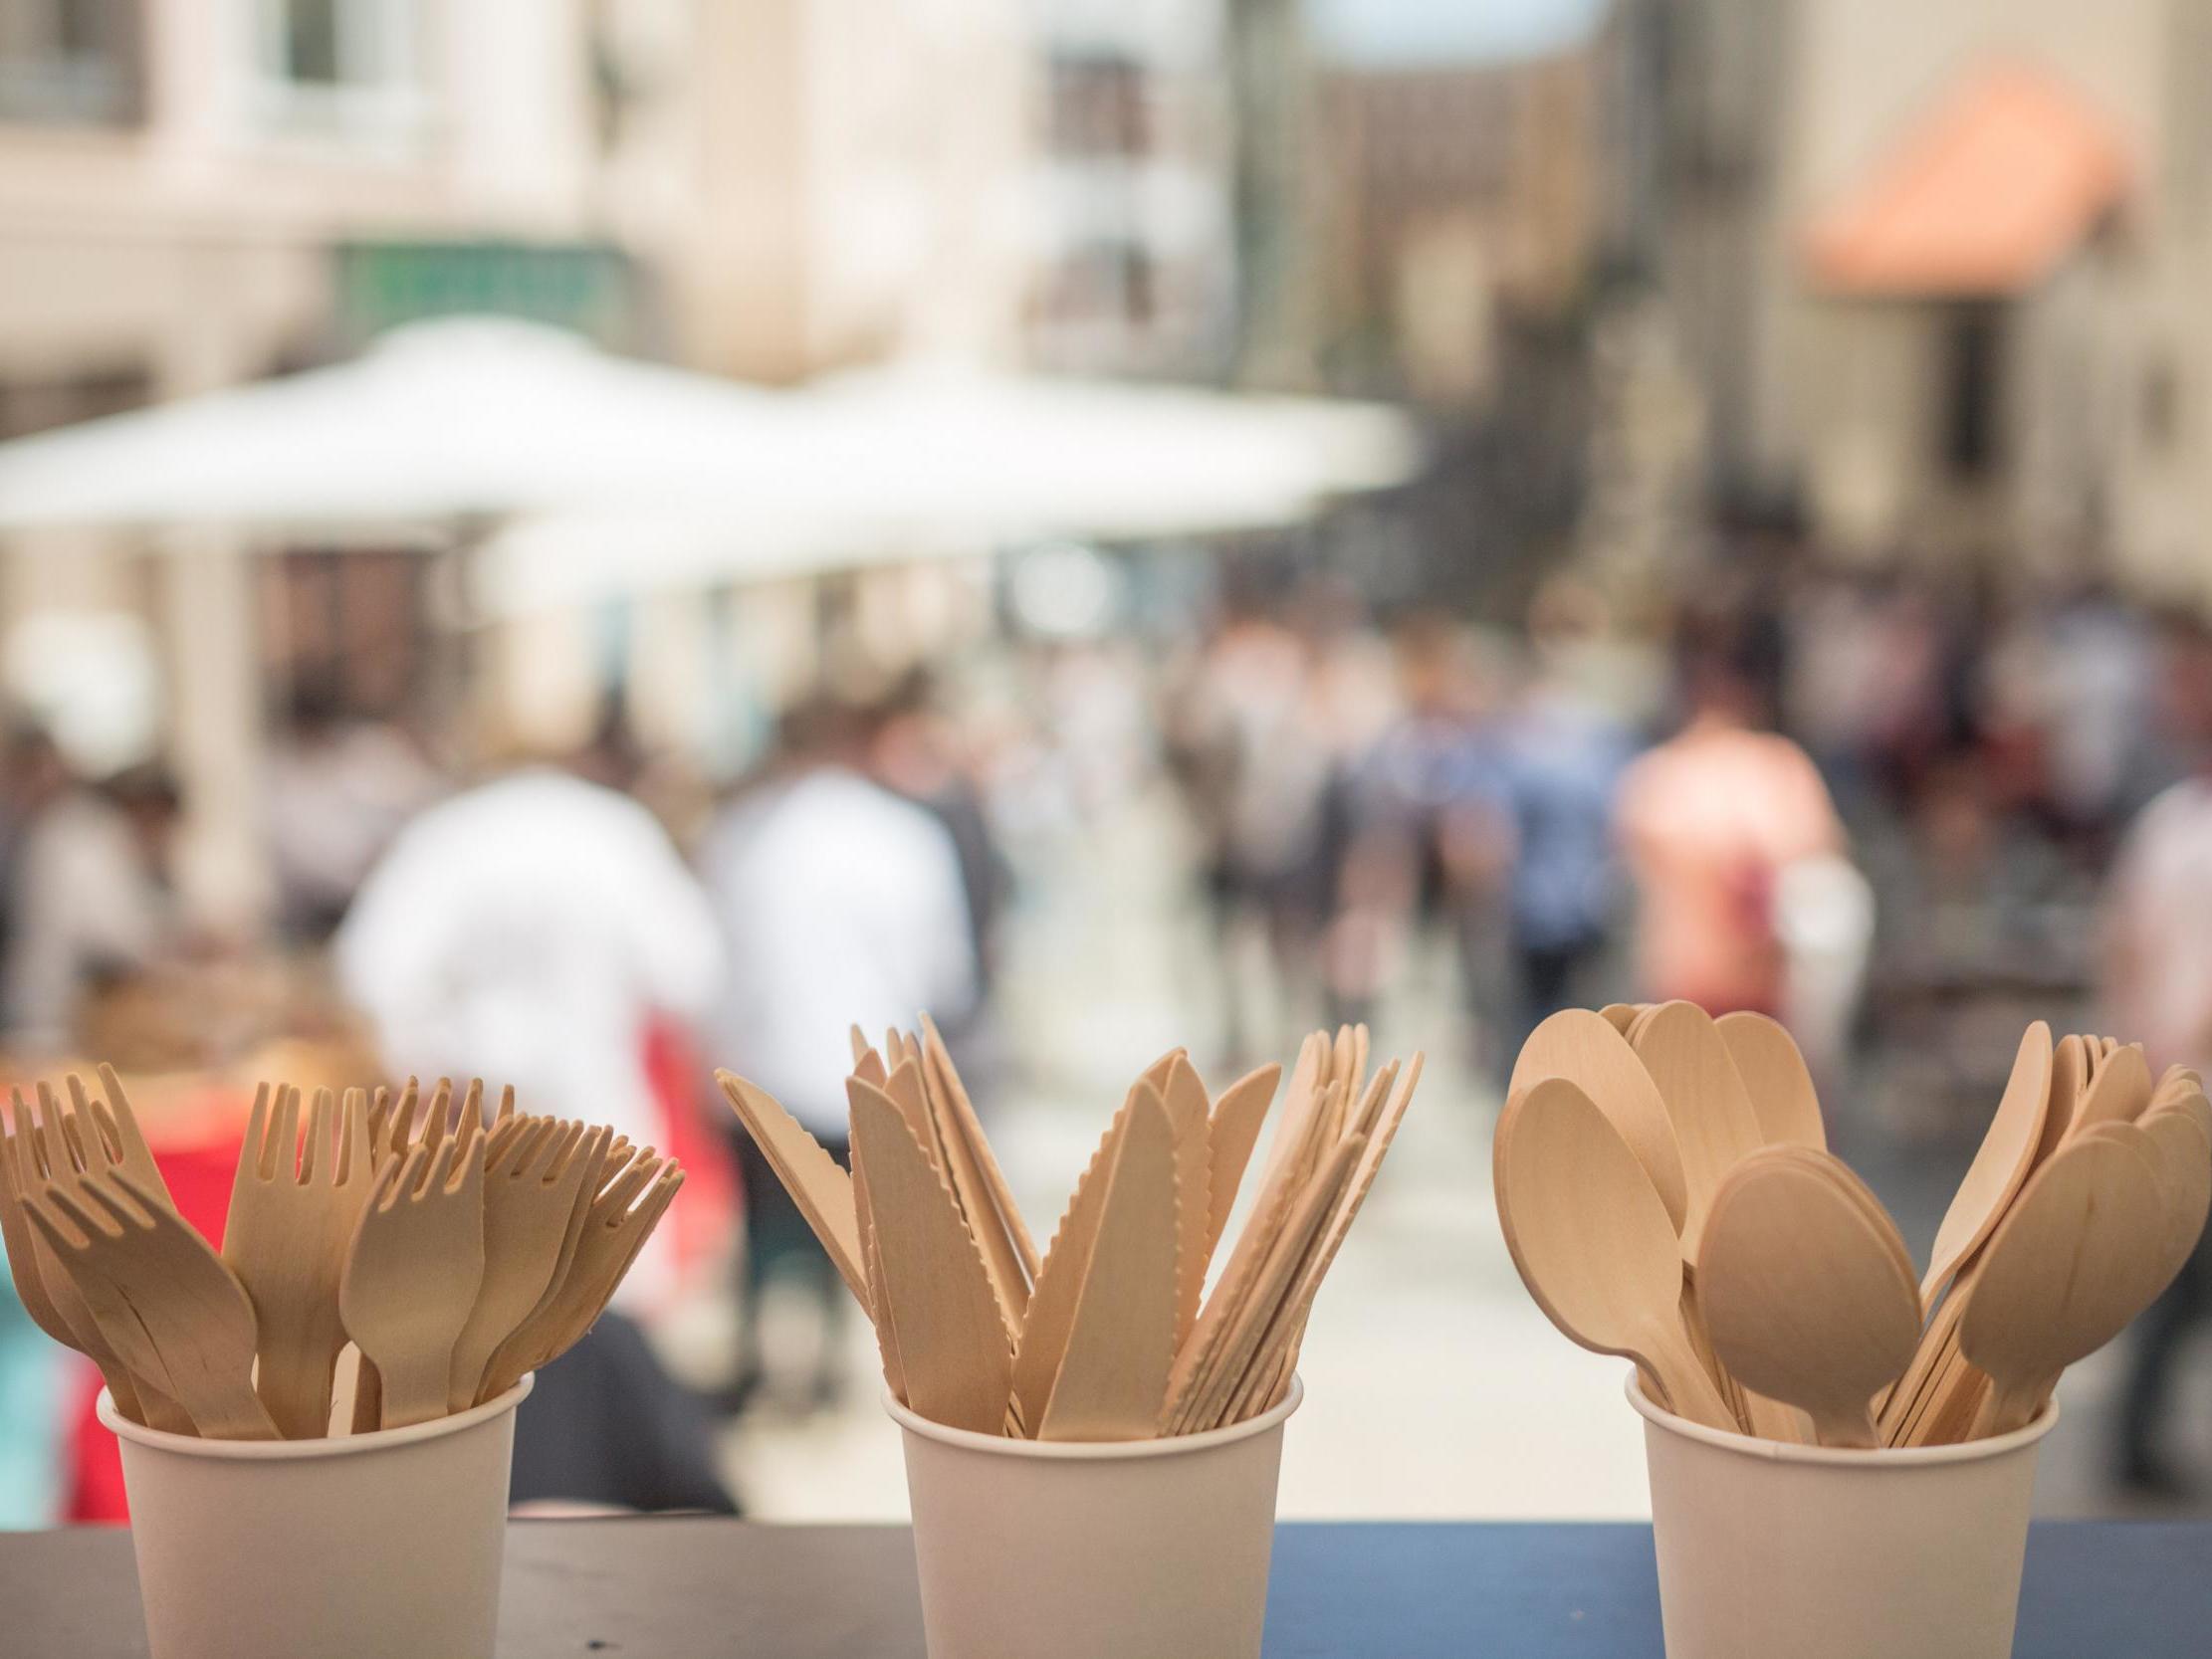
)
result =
(295, 1451)
(1841, 1457)
(1098, 1451)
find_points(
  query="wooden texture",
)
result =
(985, 1201)
(532, 1182)
(1233, 1133)
(953, 1347)
(413, 1272)
(617, 1223)
(1806, 1300)
(1113, 1377)
(1591, 1240)
(1698, 1084)
(292, 1211)
(820, 1189)
(1188, 1113)
(2001, 1164)
(1776, 1079)
(2058, 1281)
(1588, 1052)
(164, 1299)
(1044, 1335)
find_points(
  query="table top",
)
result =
(677, 1588)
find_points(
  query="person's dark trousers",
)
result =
(1547, 977)
(605, 1424)
(2160, 1334)
(779, 1240)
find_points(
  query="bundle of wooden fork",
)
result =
(1664, 1187)
(1110, 1334)
(441, 1258)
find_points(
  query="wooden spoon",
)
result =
(1588, 1052)
(1806, 1300)
(1714, 1123)
(1592, 1241)
(2000, 1166)
(2064, 1273)
(1776, 1078)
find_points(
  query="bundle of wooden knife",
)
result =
(1110, 1334)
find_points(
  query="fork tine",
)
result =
(120, 1120)
(468, 1123)
(505, 1103)
(257, 1135)
(39, 1211)
(75, 1207)
(399, 1121)
(86, 1132)
(281, 1161)
(356, 1134)
(439, 1118)
(55, 1141)
(319, 1157)
(558, 1150)
(617, 1196)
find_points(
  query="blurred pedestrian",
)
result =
(2158, 989)
(1561, 755)
(84, 883)
(529, 932)
(839, 903)
(339, 788)
(1709, 820)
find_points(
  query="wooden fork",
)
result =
(536, 1169)
(45, 1151)
(413, 1271)
(292, 1217)
(612, 1233)
(162, 1296)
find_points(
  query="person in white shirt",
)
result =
(2158, 989)
(840, 904)
(526, 931)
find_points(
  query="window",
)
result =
(70, 62)
(1973, 408)
(347, 67)
(1100, 106)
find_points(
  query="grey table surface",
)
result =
(682, 1588)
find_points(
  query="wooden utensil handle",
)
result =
(1689, 1392)
(414, 1385)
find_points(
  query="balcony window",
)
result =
(347, 69)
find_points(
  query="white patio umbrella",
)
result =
(913, 462)
(436, 422)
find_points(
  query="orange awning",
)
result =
(1983, 196)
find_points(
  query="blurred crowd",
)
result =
(1901, 812)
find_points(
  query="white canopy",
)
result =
(435, 422)
(909, 462)
(624, 475)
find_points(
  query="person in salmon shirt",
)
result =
(1708, 821)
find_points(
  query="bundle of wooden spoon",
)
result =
(1666, 1189)
(452, 1257)
(1110, 1334)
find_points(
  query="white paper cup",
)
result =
(1767, 1550)
(1128, 1550)
(364, 1547)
